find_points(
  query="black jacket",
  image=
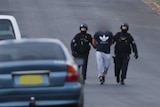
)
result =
(124, 43)
(81, 43)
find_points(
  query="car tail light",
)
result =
(72, 74)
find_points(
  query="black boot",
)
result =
(117, 79)
(84, 79)
(122, 82)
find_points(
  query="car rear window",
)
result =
(31, 51)
(6, 30)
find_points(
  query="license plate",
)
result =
(30, 79)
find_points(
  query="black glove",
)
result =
(74, 53)
(136, 56)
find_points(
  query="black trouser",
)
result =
(84, 66)
(121, 65)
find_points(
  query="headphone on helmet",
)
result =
(83, 26)
(126, 25)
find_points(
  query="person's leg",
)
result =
(107, 58)
(124, 68)
(106, 64)
(100, 63)
(79, 66)
(118, 66)
(115, 66)
(100, 66)
(84, 66)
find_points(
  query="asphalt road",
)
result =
(61, 19)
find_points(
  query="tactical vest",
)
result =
(123, 45)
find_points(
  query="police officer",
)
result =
(102, 40)
(124, 43)
(80, 46)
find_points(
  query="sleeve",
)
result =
(134, 46)
(95, 36)
(74, 43)
(111, 36)
(94, 40)
(114, 38)
(90, 41)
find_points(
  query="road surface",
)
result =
(61, 19)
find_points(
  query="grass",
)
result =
(158, 2)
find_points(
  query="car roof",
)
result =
(6, 17)
(27, 40)
(14, 24)
(39, 40)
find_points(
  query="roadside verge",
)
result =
(154, 4)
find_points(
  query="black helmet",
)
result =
(83, 25)
(125, 24)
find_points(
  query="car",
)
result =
(9, 28)
(39, 72)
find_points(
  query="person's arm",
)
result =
(112, 39)
(73, 45)
(90, 41)
(134, 47)
(94, 42)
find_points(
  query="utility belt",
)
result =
(83, 49)
(124, 56)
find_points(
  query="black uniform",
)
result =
(80, 46)
(123, 47)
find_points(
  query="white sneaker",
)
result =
(101, 80)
